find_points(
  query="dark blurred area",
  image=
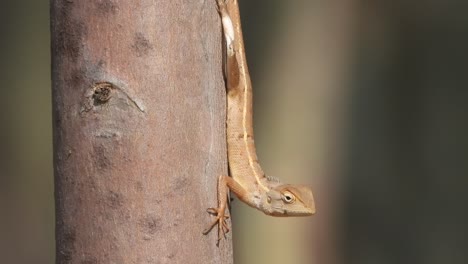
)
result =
(407, 143)
(402, 173)
(26, 180)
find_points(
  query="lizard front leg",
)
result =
(225, 183)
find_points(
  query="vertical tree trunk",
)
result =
(139, 139)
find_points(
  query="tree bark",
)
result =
(139, 130)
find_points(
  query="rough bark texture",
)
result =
(139, 130)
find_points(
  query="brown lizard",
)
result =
(248, 181)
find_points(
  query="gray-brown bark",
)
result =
(139, 130)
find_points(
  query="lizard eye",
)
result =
(288, 197)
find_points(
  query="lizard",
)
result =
(248, 181)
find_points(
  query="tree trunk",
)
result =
(139, 130)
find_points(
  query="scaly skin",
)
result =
(248, 181)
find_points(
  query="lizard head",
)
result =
(289, 200)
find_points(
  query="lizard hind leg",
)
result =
(222, 2)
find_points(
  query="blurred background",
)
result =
(365, 100)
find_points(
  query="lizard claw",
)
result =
(220, 221)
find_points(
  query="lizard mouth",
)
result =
(294, 213)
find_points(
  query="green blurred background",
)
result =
(366, 100)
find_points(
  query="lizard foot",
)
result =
(220, 220)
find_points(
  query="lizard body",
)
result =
(248, 181)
